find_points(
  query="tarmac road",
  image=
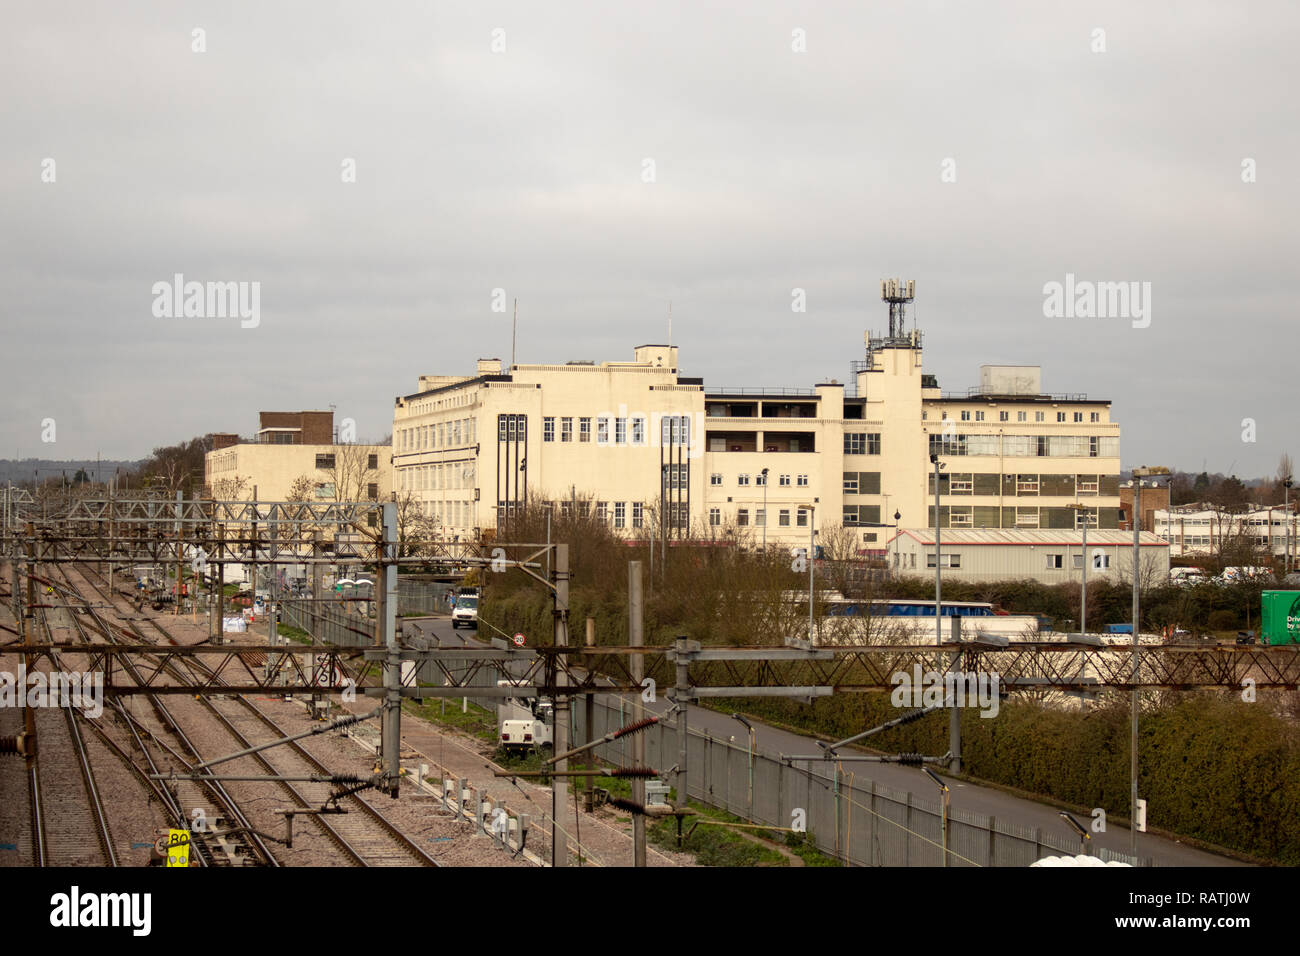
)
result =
(773, 741)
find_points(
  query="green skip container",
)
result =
(1280, 617)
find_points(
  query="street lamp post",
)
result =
(750, 728)
(812, 521)
(812, 516)
(938, 559)
(898, 516)
(1286, 524)
(1081, 511)
(1138, 475)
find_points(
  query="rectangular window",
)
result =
(760, 479)
(324, 461)
(742, 517)
(801, 517)
(742, 480)
(959, 517)
(760, 518)
(602, 511)
(1100, 561)
(715, 517)
(1060, 416)
(715, 479)
(803, 481)
(1004, 416)
(785, 481)
(1021, 416)
(638, 431)
(372, 461)
(638, 514)
(548, 429)
(1026, 517)
(1026, 484)
(1078, 416)
(947, 560)
(620, 431)
(584, 429)
(979, 416)
(602, 431)
(783, 518)
(1095, 417)
(1078, 561)
(850, 482)
(873, 443)
(620, 514)
(855, 443)
(566, 429)
(965, 415)
(372, 491)
(1055, 562)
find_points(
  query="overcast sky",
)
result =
(524, 168)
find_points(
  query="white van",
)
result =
(1186, 577)
(466, 612)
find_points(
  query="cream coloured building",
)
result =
(1053, 557)
(468, 449)
(295, 452)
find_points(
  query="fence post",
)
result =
(993, 836)
(836, 769)
(871, 847)
(907, 832)
(1038, 842)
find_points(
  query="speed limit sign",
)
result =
(519, 640)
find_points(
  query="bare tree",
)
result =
(352, 476)
(228, 489)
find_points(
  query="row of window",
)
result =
(1026, 446)
(326, 462)
(437, 477)
(760, 517)
(977, 516)
(862, 443)
(621, 512)
(862, 482)
(453, 514)
(1047, 485)
(453, 434)
(675, 429)
(760, 479)
(1100, 561)
(1055, 562)
(1005, 416)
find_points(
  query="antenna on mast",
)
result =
(670, 322)
(514, 334)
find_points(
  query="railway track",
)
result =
(17, 786)
(363, 834)
(184, 799)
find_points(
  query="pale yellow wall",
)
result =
(896, 407)
(273, 469)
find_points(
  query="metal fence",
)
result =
(847, 815)
(328, 624)
(422, 597)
